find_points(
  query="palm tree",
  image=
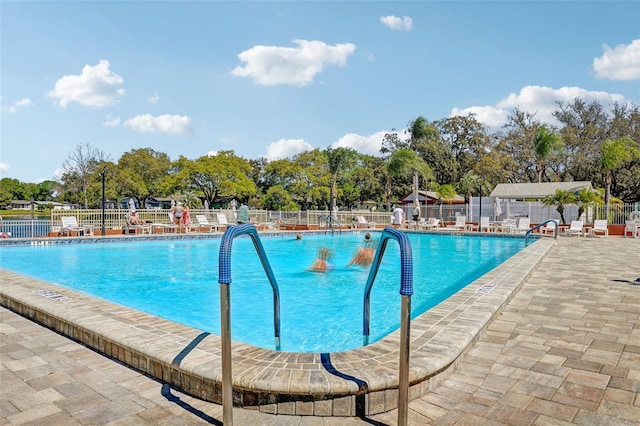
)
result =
(468, 183)
(614, 153)
(191, 200)
(544, 143)
(338, 159)
(586, 197)
(560, 199)
(444, 193)
(403, 163)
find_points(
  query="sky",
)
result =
(276, 78)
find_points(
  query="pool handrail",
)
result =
(224, 279)
(329, 219)
(538, 226)
(406, 271)
(225, 266)
(406, 290)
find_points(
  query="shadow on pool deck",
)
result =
(564, 348)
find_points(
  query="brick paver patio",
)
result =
(565, 350)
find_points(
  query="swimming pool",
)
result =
(177, 280)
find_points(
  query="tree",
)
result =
(585, 198)
(311, 176)
(277, 198)
(220, 174)
(614, 154)
(338, 159)
(403, 163)
(545, 142)
(142, 173)
(17, 190)
(79, 168)
(468, 183)
(560, 199)
(467, 141)
(445, 193)
(369, 177)
(584, 128)
(517, 144)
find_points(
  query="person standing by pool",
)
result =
(398, 216)
(415, 213)
(320, 264)
(176, 213)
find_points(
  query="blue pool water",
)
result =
(320, 312)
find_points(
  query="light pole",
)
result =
(102, 175)
(32, 224)
(480, 211)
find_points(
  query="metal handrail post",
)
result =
(225, 324)
(224, 279)
(403, 379)
(406, 290)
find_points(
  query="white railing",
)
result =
(115, 219)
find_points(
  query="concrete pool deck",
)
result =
(551, 352)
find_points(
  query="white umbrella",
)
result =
(497, 210)
(132, 204)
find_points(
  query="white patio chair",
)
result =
(599, 227)
(203, 222)
(70, 224)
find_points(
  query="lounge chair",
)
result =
(361, 222)
(165, 227)
(524, 224)
(599, 227)
(574, 229)
(222, 220)
(70, 224)
(484, 224)
(432, 223)
(631, 227)
(136, 229)
(460, 225)
(507, 225)
(203, 222)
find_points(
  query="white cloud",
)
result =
(172, 124)
(295, 66)
(620, 63)
(18, 105)
(111, 121)
(153, 99)
(396, 23)
(363, 144)
(4, 168)
(536, 99)
(491, 116)
(286, 148)
(97, 86)
(212, 153)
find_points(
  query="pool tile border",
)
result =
(358, 382)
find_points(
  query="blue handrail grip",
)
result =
(224, 266)
(406, 269)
